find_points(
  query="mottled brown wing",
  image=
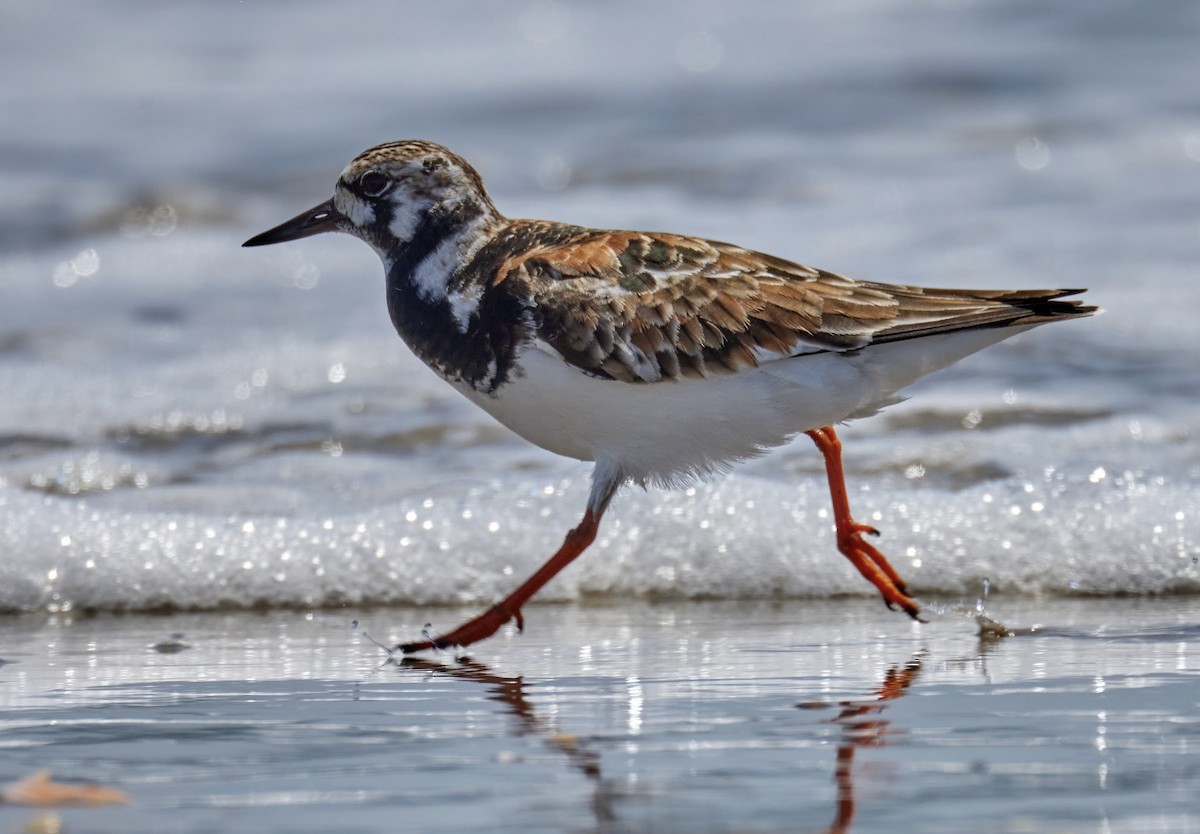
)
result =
(643, 307)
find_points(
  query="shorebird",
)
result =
(660, 357)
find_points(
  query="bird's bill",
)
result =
(322, 218)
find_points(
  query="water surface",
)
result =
(713, 717)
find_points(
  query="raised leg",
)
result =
(604, 486)
(870, 562)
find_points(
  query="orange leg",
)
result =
(509, 608)
(870, 562)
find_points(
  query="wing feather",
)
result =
(645, 307)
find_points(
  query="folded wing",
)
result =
(648, 307)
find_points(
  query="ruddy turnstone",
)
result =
(660, 357)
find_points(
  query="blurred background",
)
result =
(187, 424)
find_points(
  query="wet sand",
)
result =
(617, 716)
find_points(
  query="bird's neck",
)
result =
(441, 241)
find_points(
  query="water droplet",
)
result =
(141, 221)
(306, 276)
(554, 173)
(83, 265)
(1032, 154)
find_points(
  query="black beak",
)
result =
(323, 218)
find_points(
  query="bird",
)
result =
(661, 358)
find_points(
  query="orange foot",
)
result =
(472, 631)
(875, 567)
(872, 564)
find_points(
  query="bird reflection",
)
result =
(861, 723)
(511, 692)
(863, 726)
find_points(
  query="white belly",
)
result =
(671, 431)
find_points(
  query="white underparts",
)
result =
(671, 432)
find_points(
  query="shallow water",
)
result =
(716, 716)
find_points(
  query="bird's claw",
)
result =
(472, 631)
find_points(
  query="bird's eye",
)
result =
(373, 183)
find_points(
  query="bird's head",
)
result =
(388, 193)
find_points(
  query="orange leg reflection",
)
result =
(510, 691)
(862, 727)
